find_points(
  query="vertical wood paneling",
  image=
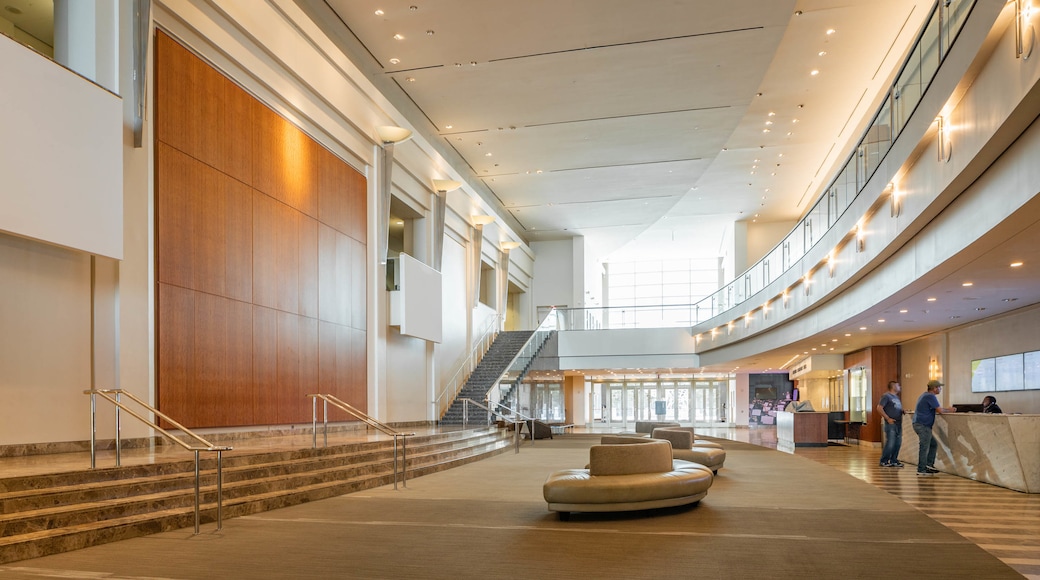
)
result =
(356, 189)
(289, 403)
(358, 278)
(239, 240)
(212, 145)
(260, 255)
(176, 350)
(238, 405)
(308, 261)
(211, 360)
(176, 123)
(208, 239)
(238, 110)
(175, 216)
(265, 365)
(309, 353)
(276, 254)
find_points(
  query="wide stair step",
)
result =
(48, 514)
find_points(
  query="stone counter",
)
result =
(1002, 450)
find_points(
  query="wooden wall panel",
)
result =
(260, 256)
(176, 122)
(357, 293)
(211, 374)
(212, 138)
(284, 161)
(276, 254)
(308, 261)
(289, 403)
(265, 365)
(175, 216)
(208, 239)
(175, 356)
(239, 239)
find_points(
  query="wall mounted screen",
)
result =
(1013, 372)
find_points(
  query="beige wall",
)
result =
(954, 351)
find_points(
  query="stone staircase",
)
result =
(52, 513)
(495, 362)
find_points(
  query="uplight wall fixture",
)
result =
(441, 187)
(504, 293)
(945, 147)
(1025, 36)
(388, 137)
(479, 221)
(861, 237)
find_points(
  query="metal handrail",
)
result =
(546, 327)
(466, 364)
(465, 418)
(206, 445)
(365, 418)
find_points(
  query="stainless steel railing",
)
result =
(114, 396)
(466, 402)
(368, 420)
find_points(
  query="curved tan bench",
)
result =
(632, 476)
(683, 447)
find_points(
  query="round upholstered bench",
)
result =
(627, 477)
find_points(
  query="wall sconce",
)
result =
(729, 327)
(831, 262)
(388, 136)
(933, 369)
(945, 147)
(714, 332)
(806, 282)
(747, 320)
(861, 237)
(896, 199)
(1025, 36)
(479, 221)
(765, 311)
(504, 293)
(440, 204)
(785, 298)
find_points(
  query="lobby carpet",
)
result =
(768, 515)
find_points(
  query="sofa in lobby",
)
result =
(627, 477)
(685, 447)
(648, 427)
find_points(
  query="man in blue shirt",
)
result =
(890, 407)
(924, 418)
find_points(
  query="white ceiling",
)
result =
(640, 126)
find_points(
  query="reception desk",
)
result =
(806, 429)
(1000, 449)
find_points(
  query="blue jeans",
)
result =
(893, 442)
(927, 447)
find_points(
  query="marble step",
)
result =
(256, 484)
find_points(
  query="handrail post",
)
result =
(220, 489)
(93, 431)
(325, 420)
(196, 492)
(314, 422)
(395, 462)
(404, 460)
(119, 441)
(517, 425)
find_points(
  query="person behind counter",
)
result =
(891, 410)
(924, 419)
(989, 405)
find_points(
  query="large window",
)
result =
(661, 282)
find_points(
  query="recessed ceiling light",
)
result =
(932, 299)
(830, 31)
(488, 154)
(765, 130)
(903, 311)
(449, 126)
(769, 122)
(967, 284)
(410, 79)
(398, 37)
(1016, 264)
(772, 114)
(814, 72)
(395, 61)
(880, 319)
(848, 334)
(822, 53)
(863, 328)
(379, 13)
(429, 33)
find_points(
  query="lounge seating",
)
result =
(634, 476)
(683, 448)
(649, 426)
